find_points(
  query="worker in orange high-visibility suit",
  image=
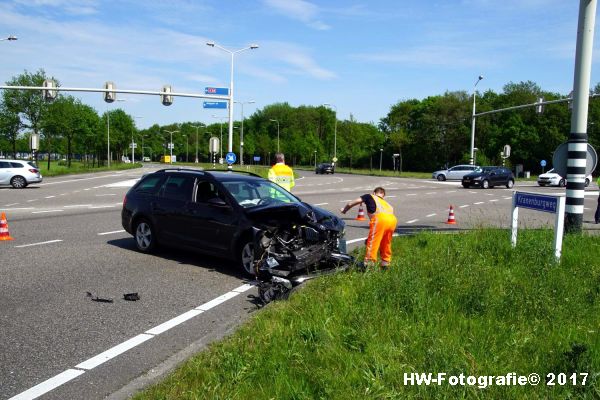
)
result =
(281, 174)
(381, 227)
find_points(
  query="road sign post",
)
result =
(554, 204)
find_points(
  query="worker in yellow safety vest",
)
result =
(381, 226)
(281, 174)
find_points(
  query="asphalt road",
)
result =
(57, 343)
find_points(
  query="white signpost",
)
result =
(550, 203)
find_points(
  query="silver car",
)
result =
(19, 173)
(454, 173)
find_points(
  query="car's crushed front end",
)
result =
(294, 243)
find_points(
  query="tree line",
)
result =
(416, 135)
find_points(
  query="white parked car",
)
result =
(19, 173)
(454, 173)
(551, 178)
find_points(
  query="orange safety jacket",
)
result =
(382, 206)
(282, 175)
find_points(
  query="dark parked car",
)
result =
(269, 232)
(487, 177)
(325, 168)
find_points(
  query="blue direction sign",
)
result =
(543, 163)
(536, 202)
(230, 158)
(215, 104)
(217, 90)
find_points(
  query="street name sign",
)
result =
(215, 104)
(217, 90)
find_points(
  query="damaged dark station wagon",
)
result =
(267, 231)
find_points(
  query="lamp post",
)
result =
(171, 145)
(221, 142)
(197, 126)
(232, 53)
(315, 159)
(380, 158)
(9, 38)
(133, 142)
(241, 103)
(334, 131)
(275, 120)
(143, 136)
(108, 133)
(187, 147)
(472, 157)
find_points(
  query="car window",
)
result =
(206, 191)
(16, 165)
(178, 187)
(255, 193)
(31, 163)
(5, 164)
(149, 185)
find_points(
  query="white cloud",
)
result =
(299, 10)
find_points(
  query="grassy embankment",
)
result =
(464, 303)
(60, 168)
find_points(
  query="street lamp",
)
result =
(315, 159)
(334, 131)
(10, 38)
(472, 157)
(274, 120)
(242, 131)
(380, 158)
(187, 147)
(197, 126)
(221, 142)
(171, 145)
(108, 133)
(251, 47)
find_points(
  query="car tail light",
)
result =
(33, 170)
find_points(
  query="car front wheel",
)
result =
(441, 177)
(562, 183)
(485, 184)
(246, 259)
(587, 182)
(145, 240)
(18, 182)
(510, 183)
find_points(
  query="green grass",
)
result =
(60, 168)
(462, 303)
(374, 172)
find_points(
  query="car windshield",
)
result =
(484, 169)
(258, 193)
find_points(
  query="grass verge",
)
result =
(58, 168)
(464, 303)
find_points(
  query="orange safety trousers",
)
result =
(381, 229)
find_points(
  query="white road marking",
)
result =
(107, 194)
(215, 302)
(49, 197)
(77, 205)
(11, 204)
(114, 351)
(87, 189)
(18, 208)
(110, 233)
(46, 211)
(48, 385)
(94, 207)
(430, 193)
(464, 206)
(470, 191)
(411, 221)
(451, 191)
(38, 244)
(390, 196)
(29, 201)
(479, 202)
(165, 326)
(411, 194)
(355, 240)
(492, 200)
(320, 204)
(127, 183)
(431, 215)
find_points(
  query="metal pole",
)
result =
(107, 136)
(380, 158)
(242, 137)
(578, 138)
(472, 157)
(278, 136)
(197, 144)
(230, 144)
(171, 146)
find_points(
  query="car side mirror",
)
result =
(217, 202)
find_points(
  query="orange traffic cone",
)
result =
(4, 235)
(451, 219)
(361, 213)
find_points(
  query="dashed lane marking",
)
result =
(431, 215)
(464, 206)
(111, 232)
(38, 244)
(46, 211)
(411, 221)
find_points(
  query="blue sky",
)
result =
(361, 56)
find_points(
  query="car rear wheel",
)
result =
(18, 182)
(510, 183)
(562, 183)
(485, 184)
(441, 177)
(144, 236)
(246, 258)
(587, 182)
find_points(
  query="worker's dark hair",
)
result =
(379, 189)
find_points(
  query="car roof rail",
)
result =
(180, 169)
(240, 172)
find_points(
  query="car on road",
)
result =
(551, 178)
(19, 173)
(454, 173)
(325, 168)
(237, 215)
(488, 177)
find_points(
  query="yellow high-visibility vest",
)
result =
(282, 175)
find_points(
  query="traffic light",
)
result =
(166, 98)
(111, 95)
(49, 93)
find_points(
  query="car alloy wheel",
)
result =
(144, 237)
(587, 182)
(510, 183)
(441, 177)
(18, 182)
(562, 183)
(247, 259)
(485, 184)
